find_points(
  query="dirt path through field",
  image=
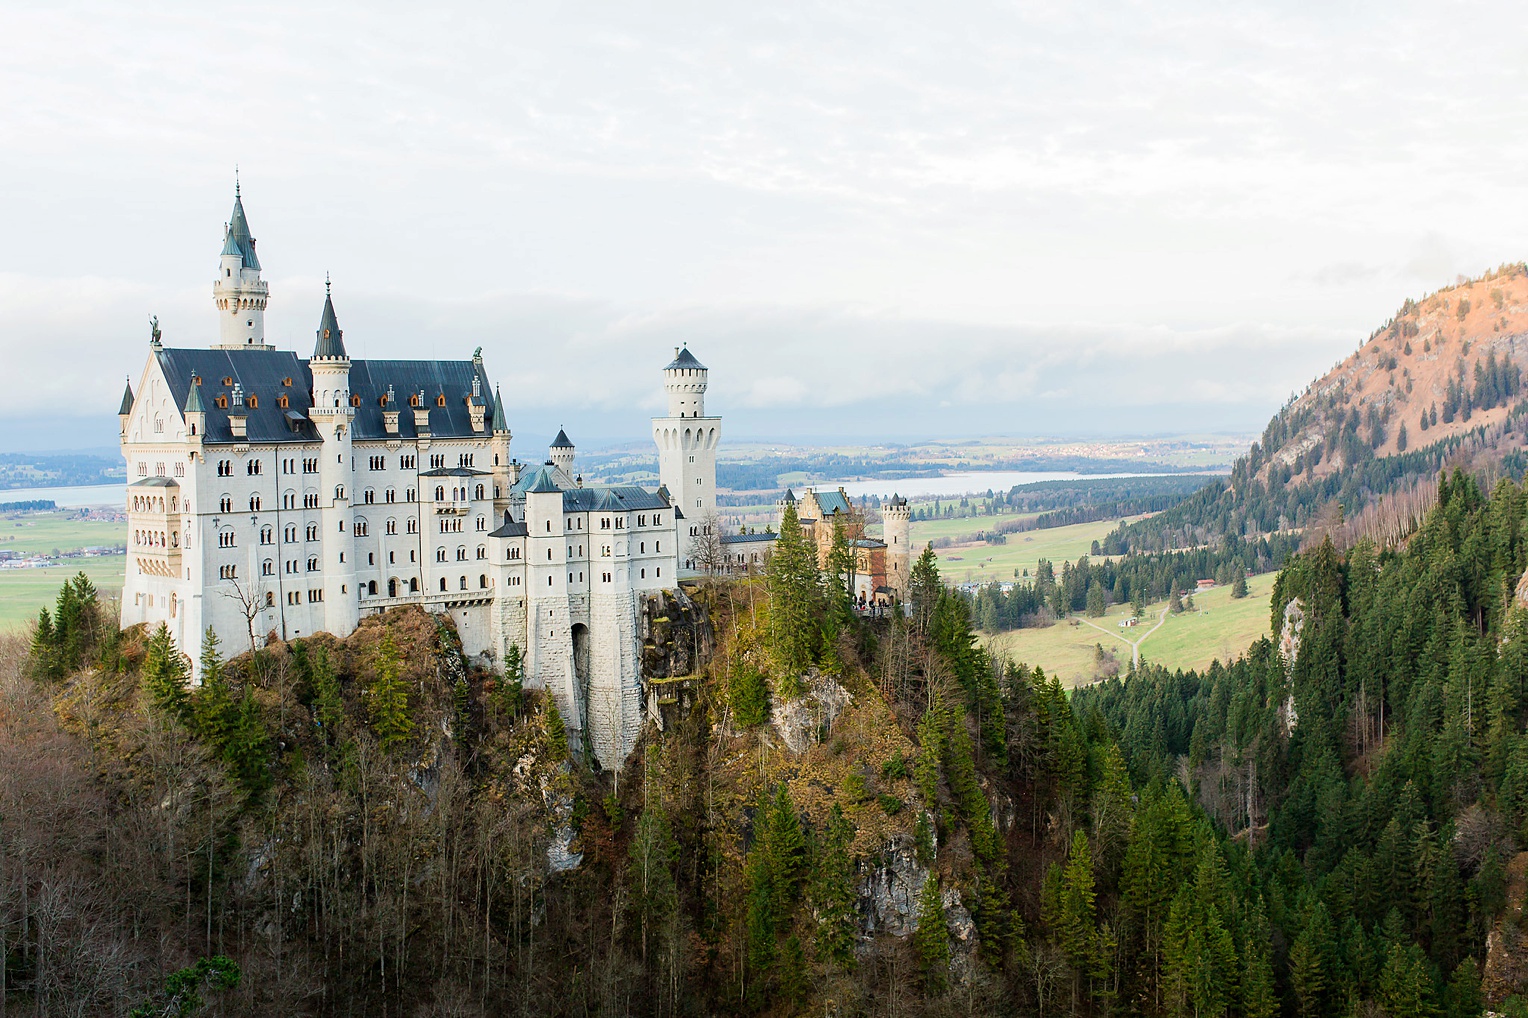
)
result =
(1135, 648)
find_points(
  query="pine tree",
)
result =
(931, 938)
(923, 589)
(786, 845)
(213, 712)
(508, 690)
(328, 707)
(793, 970)
(748, 695)
(247, 751)
(1405, 987)
(1096, 605)
(651, 864)
(834, 895)
(388, 697)
(44, 657)
(164, 676)
(795, 599)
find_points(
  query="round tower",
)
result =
(239, 292)
(331, 416)
(686, 441)
(561, 453)
(896, 531)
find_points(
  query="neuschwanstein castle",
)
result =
(271, 493)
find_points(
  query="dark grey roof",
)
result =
(790, 496)
(620, 498)
(562, 441)
(509, 528)
(868, 542)
(748, 538)
(155, 482)
(543, 478)
(331, 341)
(684, 359)
(261, 373)
(127, 398)
(237, 240)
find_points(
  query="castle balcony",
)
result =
(452, 508)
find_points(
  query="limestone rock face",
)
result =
(677, 638)
(888, 893)
(801, 722)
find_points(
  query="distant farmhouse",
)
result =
(272, 494)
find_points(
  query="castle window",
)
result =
(143, 470)
(312, 533)
(362, 528)
(339, 492)
(290, 534)
(228, 572)
(267, 568)
(253, 402)
(644, 574)
(312, 563)
(441, 401)
(283, 402)
(254, 503)
(227, 380)
(463, 583)
(413, 585)
(406, 462)
(440, 554)
(368, 496)
(222, 402)
(225, 468)
(482, 551)
(414, 401)
(657, 547)
(390, 495)
(482, 581)
(265, 535)
(355, 400)
(482, 523)
(641, 521)
(371, 588)
(270, 599)
(658, 571)
(461, 553)
(479, 491)
(413, 526)
(225, 504)
(442, 584)
(391, 527)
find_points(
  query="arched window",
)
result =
(440, 493)
(442, 584)
(413, 585)
(371, 588)
(483, 581)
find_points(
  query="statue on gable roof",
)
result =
(154, 330)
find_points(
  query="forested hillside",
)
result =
(853, 816)
(1441, 383)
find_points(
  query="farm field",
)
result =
(1220, 627)
(24, 591)
(983, 563)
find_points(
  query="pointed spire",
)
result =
(330, 343)
(127, 398)
(500, 422)
(194, 398)
(237, 240)
(562, 441)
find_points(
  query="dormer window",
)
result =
(355, 400)
(222, 402)
(283, 402)
(227, 381)
(414, 401)
(287, 382)
(440, 400)
(253, 401)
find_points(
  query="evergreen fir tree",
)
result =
(1405, 987)
(328, 707)
(931, 938)
(923, 589)
(508, 690)
(164, 675)
(556, 731)
(748, 695)
(795, 598)
(1239, 584)
(213, 713)
(388, 697)
(834, 894)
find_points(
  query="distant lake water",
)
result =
(964, 483)
(70, 497)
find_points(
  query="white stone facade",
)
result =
(269, 494)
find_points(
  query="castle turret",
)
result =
(686, 441)
(126, 410)
(503, 477)
(561, 453)
(896, 531)
(332, 414)
(239, 292)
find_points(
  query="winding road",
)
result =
(1135, 648)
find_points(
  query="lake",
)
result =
(959, 484)
(71, 497)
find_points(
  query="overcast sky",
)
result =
(869, 220)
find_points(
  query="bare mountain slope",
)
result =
(1439, 385)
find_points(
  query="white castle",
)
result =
(267, 493)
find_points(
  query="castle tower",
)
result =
(332, 414)
(896, 532)
(686, 441)
(239, 292)
(503, 478)
(561, 453)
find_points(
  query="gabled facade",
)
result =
(271, 494)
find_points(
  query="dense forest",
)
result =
(854, 816)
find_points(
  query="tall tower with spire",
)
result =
(332, 415)
(239, 292)
(686, 441)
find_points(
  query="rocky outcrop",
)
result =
(676, 633)
(888, 893)
(805, 720)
